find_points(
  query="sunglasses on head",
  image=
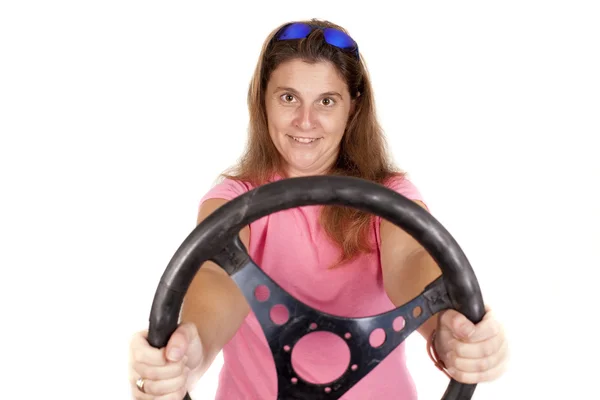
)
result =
(335, 37)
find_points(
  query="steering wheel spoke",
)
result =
(233, 257)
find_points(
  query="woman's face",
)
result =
(308, 106)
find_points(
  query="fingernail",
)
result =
(174, 354)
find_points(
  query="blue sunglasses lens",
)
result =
(338, 39)
(295, 31)
(334, 37)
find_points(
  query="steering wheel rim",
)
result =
(217, 239)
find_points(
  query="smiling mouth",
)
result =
(303, 139)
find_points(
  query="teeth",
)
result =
(304, 140)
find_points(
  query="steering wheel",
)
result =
(217, 239)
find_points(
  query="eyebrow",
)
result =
(294, 91)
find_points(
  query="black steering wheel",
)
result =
(217, 239)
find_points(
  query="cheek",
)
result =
(279, 120)
(334, 125)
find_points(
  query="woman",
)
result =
(311, 113)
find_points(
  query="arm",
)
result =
(213, 302)
(466, 352)
(407, 269)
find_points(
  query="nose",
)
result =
(305, 118)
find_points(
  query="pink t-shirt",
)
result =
(292, 248)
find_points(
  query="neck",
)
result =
(295, 173)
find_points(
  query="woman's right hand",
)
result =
(165, 372)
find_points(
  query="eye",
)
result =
(328, 101)
(287, 98)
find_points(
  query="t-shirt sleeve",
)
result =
(228, 189)
(404, 186)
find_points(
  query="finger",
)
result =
(478, 377)
(138, 395)
(471, 365)
(153, 372)
(143, 352)
(477, 350)
(486, 329)
(179, 395)
(455, 322)
(166, 386)
(179, 341)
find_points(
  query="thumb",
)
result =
(180, 340)
(458, 324)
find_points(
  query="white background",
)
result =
(117, 116)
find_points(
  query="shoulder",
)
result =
(403, 185)
(226, 189)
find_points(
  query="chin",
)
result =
(304, 167)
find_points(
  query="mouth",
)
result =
(304, 140)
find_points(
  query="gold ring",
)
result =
(140, 384)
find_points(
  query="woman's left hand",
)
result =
(471, 353)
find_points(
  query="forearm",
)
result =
(213, 302)
(217, 307)
(418, 270)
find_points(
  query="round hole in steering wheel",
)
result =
(279, 314)
(417, 311)
(398, 324)
(262, 293)
(325, 349)
(377, 338)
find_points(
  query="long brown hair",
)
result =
(363, 151)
